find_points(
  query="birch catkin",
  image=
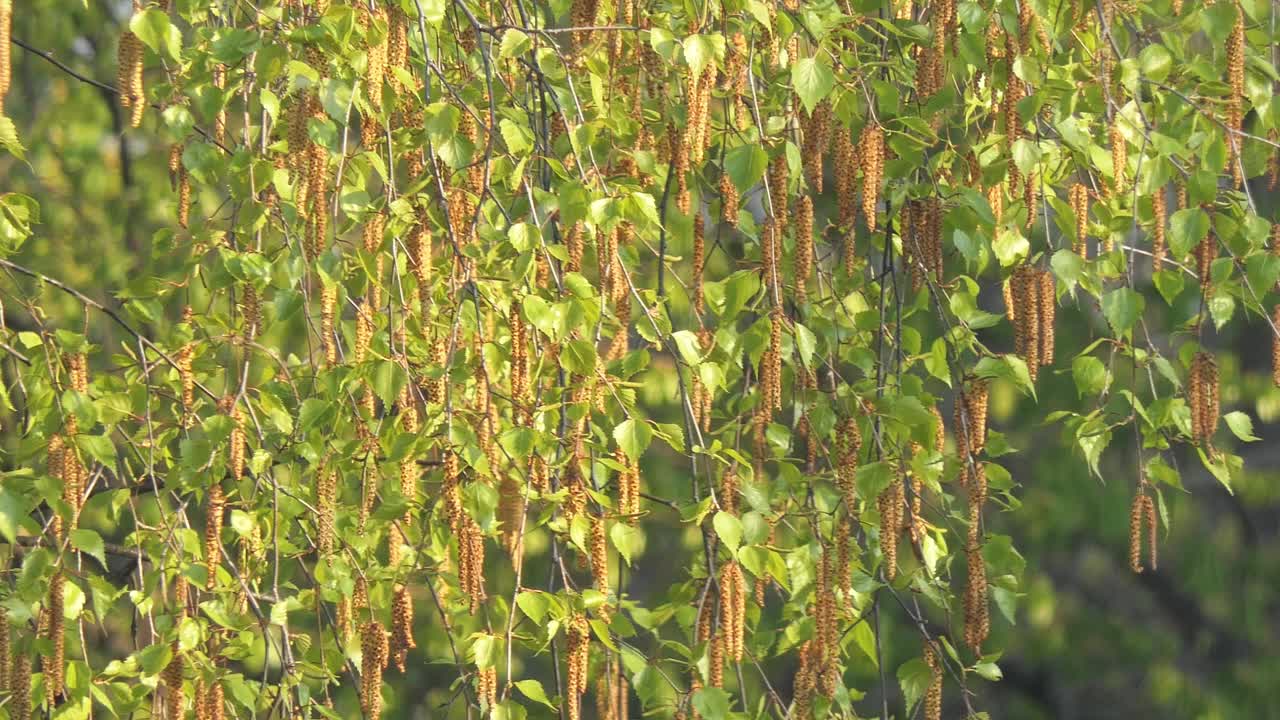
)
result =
(6, 31)
(871, 158)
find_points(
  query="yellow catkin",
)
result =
(129, 77)
(1135, 532)
(779, 180)
(220, 119)
(804, 246)
(6, 31)
(890, 505)
(848, 444)
(817, 136)
(1119, 158)
(579, 648)
(1025, 289)
(1078, 198)
(1275, 347)
(1159, 220)
(55, 665)
(871, 159)
(216, 506)
(19, 706)
(237, 441)
(487, 686)
(1048, 302)
(1206, 252)
(175, 697)
(599, 552)
(699, 263)
(729, 206)
(933, 695)
(1235, 101)
(251, 312)
(733, 597)
(845, 166)
(374, 652)
(628, 487)
(1203, 397)
(6, 653)
(328, 322)
(401, 626)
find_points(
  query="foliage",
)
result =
(580, 359)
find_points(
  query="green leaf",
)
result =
(534, 605)
(1122, 308)
(1010, 248)
(729, 530)
(153, 28)
(812, 80)
(627, 540)
(746, 164)
(1186, 229)
(872, 478)
(936, 361)
(711, 703)
(13, 510)
(1090, 375)
(89, 541)
(533, 690)
(1241, 426)
(633, 436)
(914, 677)
(578, 356)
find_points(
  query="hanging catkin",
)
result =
(933, 696)
(1275, 346)
(1202, 396)
(374, 652)
(1235, 101)
(817, 136)
(129, 77)
(1159, 218)
(1206, 252)
(216, 506)
(1119, 158)
(19, 706)
(54, 666)
(1048, 302)
(778, 180)
(1078, 198)
(871, 159)
(6, 32)
(579, 642)
(804, 246)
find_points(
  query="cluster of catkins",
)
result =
(1202, 396)
(1031, 305)
(1142, 518)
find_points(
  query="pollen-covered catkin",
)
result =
(1078, 198)
(871, 158)
(1202, 392)
(1119, 158)
(328, 322)
(20, 681)
(1235, 101)
(933, 696)
(55, 665)
(1048, 302)
(890, 505)
(401, 626)
(217, 504)
(848, 444)
(599, 550)
(579, 641)
(778, 180)
(129, 77)
(1206, 252)
(804, 245)
(1135, 532)
(175, 698)
(1159, 220)
(1275, 347)
(6, 31)
(374, 653)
